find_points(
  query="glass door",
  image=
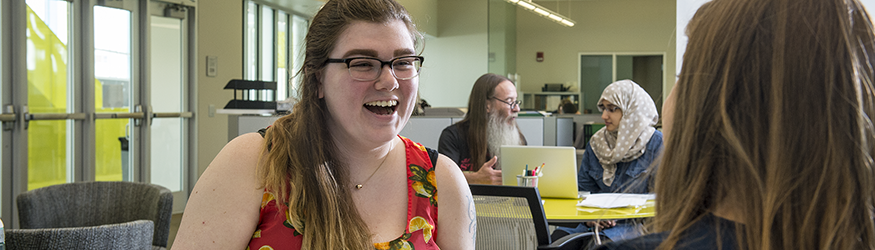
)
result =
(79, 100)
(50, 111)
(114, 91)
(169, 90)
(4, 118)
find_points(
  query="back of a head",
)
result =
(567, 107)
(772, 124)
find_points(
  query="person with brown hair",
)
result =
(335, 174)
(474, 142)
(567, 107)
(769, 135)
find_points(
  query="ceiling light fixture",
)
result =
(526, 5)
(544, 12)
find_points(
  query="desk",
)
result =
(560, 211)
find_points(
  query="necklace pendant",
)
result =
(359, 186)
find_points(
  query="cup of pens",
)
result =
(529, 178)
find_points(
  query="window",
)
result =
(274, 46)
(599, 70)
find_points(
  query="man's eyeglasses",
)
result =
(509, 103)
(369, 68)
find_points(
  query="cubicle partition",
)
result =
(539, 131)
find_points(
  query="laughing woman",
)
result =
(335, 174)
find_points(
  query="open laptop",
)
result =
(559, 178)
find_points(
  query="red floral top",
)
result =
(275, 232)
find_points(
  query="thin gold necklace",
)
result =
(359, 186)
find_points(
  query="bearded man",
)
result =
(474, 142)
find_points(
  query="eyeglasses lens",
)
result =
(366, 69)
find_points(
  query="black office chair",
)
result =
(510, 217)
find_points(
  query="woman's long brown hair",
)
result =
(301, 165)
(773, 122)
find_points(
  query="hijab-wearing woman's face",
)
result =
(369, 112)
(611, 114)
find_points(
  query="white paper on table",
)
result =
(612, 200)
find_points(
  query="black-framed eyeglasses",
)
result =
(369, 68)
(511, 103)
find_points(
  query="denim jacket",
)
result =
(589, 175)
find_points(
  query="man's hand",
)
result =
(486, 175)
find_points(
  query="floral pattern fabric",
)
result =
(275, 232)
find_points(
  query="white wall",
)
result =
(220, 34)
(685, 11)
(424, 14)
(456, 55)
(602, 26)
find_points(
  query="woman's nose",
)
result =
(386, 80)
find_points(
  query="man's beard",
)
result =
(500, 132)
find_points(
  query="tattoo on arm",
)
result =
(472, 217)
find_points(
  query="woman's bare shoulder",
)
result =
(229, 186)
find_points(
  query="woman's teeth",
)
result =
(383, 103)
(382, 107)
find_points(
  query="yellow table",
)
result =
(567, 211)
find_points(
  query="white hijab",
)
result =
(636, 127)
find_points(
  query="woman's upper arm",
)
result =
(223, 209)
(457, 220)
(584, 181)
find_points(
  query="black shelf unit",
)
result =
(262, 99)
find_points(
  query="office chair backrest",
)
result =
(509, 217)
(128, 235)
(86, 204)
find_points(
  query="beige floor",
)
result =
(174, 226)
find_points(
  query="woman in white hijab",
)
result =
(619, 154)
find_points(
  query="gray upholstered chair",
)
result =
(511, 217)
(86, 204)
(128, 235)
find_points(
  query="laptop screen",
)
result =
(559, 174)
